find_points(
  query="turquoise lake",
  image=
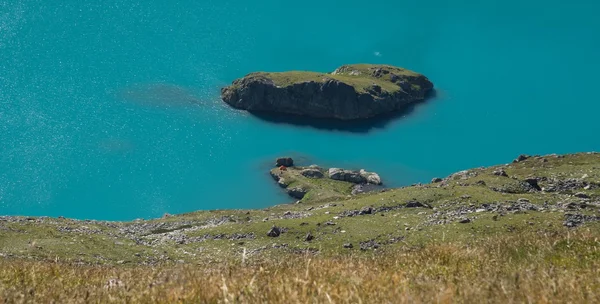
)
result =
(110, 109)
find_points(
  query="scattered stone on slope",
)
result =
(415, 204)
(274, 232)
(566, 185)
(581, 195)
(365, 188)
(370, 244)
(521, 158)
(533, 182)
(500, 172)
(575, 220)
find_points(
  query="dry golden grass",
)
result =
(532, 267)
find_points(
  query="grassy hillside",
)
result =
(525, 231)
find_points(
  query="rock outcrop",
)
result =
(312, 173)
(350, 92)
(356, 177)
(322, 182)
(346, 176)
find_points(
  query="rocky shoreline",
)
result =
(540, 193)
(298, 181)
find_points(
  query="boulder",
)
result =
(436, 180)
(284, 161)
(274, 232)
(297, 192)
(346, 176)
(312, 173)
(371, 177)
(500, 172)
(336, 173)
(366, 210)
(581, 195)
(282, 183)
(354, 177)
(521, 158)
(415, 204)
(533, 182)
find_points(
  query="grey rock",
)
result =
(365, 188)
(309, 237)
(336, 173)
(274, 232)
(500, 172)
(366, 210)
(533, 182)
(464, 220)
(436, 180)
(575, 220)
(348, 245)
(371, 244)
(371, 177)
(521, 158)
(581, 195)
(312, 173)
(297, 192)
(282, 183)
(346, 176)
(415, 204)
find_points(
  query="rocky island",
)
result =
(351, 92)
(314, 183)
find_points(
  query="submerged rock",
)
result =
(350, 92)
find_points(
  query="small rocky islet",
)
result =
(351, 92)
(322, 183)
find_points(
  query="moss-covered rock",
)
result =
(350, 92)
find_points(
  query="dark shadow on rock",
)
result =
(353, 126)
